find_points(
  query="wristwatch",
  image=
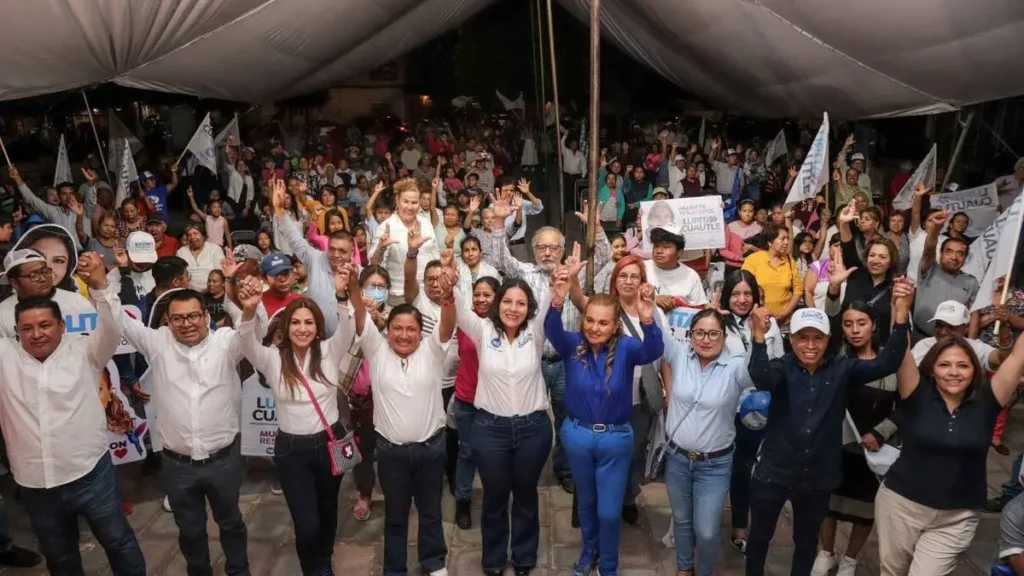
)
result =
(412, 254)
(341, 297)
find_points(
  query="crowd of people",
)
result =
(384, 294)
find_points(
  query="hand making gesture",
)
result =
(645, 304)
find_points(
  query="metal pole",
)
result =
(595, 141)
(956, 152)
(543, 99)
(4, 150)
(103, 157)
(558, 128)
(1009, 271)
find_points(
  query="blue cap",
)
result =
(276, 264)
(754, 409)
(147, 175)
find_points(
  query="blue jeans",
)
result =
(554, 378)
(510, 454)
(465, 468)
(600, 469)
(1012, 487)
(96, 497)
(410, 472)
(697, 492)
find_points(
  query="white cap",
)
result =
(678, 158)
(141, 247)
(671, 229)
(16, 258)
(857, 156)
(951, 312)
(731, 152)
(809, 318)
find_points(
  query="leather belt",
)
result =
(701, 456)
(602, 427)
(215, 456)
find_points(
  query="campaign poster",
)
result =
(700, 221)
(258, 419)
(125, 429)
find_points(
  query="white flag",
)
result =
(776, 148)
(230, 130)
(202, 147)
(517, 104)
(126, 175)
(700, 135)
(814, 172)
(118, 133)
(63, 171)
(925, 174)
(1004, 236)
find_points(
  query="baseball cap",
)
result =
(809, 318)
(156, 217)
(754, 408)
(141, 248)
(857, 156)
(731, 152)
(671, 229)
(951, 312)
(16, 258)
(659, 190)
(147, 175)
(275, 264)
(678, 158)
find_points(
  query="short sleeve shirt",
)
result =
(934, 287)
(158, 197)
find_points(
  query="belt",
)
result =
(552, 359)
(519, 242)
(701, 456)
(602, 427)
(213, 457)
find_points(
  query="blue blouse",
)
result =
(590, 396)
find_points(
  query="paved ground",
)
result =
(359, 548)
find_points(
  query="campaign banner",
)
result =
(923, 174)
(981, 205)
(677, 322)
(126, 431)
(813, 172)
(699, 219)
(258, 419)
(984, 247)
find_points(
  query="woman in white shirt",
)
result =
(740, 293)
(471, 265)
(302, 372)
(409, 416)
(390, 246)
(202, 257)
(512, 432)
(703, 393)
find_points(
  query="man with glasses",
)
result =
(31, 277)
(195, 375)
(548, 249)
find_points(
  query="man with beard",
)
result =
(548, 248)
(321, 266)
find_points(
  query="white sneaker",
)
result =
(167, 504)
(441, 572)
(847, 566)
(824, 563)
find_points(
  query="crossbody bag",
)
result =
(344, 454)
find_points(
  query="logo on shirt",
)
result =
(525, 339)
(496, 343)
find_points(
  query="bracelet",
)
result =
(342, 297)
(230, 280)
(412, 254)
(445, 302)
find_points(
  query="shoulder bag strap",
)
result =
(316, 406)
(629, 324)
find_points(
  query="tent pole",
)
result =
(103, 157)
(540, 128)
(6, 157)
(595, 132)
(558, 127)
(956, 151)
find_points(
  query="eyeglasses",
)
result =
(36, 276)
(375, 287)
(547, 248)
(178, 320)
(710, 335)
(630, 277)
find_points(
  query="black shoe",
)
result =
(151, 465)
(523, 570)
(19, 557)
(630, 514)
(995, 505)
(567, 485)
(463, 514)
(1001, 449)
(493, 572)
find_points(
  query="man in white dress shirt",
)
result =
(56, 429)
(195, 375)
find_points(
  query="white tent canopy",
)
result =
(763, 57)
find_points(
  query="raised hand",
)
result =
(278, 189)
(850, 141)
(15, 175)
(849, 213)
(190, 193)
(90, 176)
(524, 185)
(839, 272)
(645, 303)
(342, 278)
(449, 238)
(936, 221)
(574, 263)
(228, 265)
(760, 320)
(415, 239)
(75, 206)
(121, 256)
(902, 295)
(378, 188)
(250, 293)
(92, 271)
(385, 238)
(474, 204)
(517, 201)
(502, 209)
(923, 190)
(448, 258)
(583, 213)
(560, 283)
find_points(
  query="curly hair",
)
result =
(581, 348)
(119, 420)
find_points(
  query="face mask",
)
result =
(379, 295)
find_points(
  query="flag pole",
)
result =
(956, 152)
(558, 128)
(595, 142)
(6, 157)
(1009, 265)
(96, 135)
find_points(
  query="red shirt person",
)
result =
(277, 273)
